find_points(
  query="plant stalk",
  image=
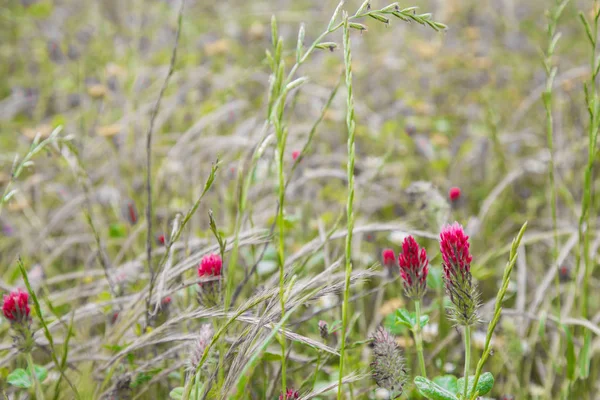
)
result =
(419, 338)
(467, 359)
(39, 393)
(350, 201)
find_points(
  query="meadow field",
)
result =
(300, 199)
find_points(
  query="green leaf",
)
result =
(485, 384)
(390, 324)
(271, 356)
(20, 378)
(40, 372)
(448, 382)
(432, 390)
(177, 393)
(117, 231)
(409, 319)
(570, 354)
(434, 279)
(144, 377)
(403, 317)
(585, 356)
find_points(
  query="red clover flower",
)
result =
(454, 193)
(15, 306)
(456, 260)
(413, 268)
(389, 258)
(210, 267)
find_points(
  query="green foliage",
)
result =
(22, 378)
(409, 319)
(484, 385)
(432, 390)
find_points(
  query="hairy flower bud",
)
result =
(199, 346)
(413, 268)
(388, 364)
(323, 329)
(456, 260)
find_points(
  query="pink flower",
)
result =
(210, 266)
(166, 301)
(290, 394)
(456, 260)
(413, 268)
(454, 246)
(389, 258)
(295, 154)
(15, 306)
(161, 239)
(454, 193)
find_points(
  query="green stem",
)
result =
(592, 100)
(221, 365)
(350, 200)
(467, 359)
(419, 338)
(39, 393)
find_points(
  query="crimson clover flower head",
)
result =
(389, 258)
(15, 306)
(454, 246)
(413, 268)
(454, 193)
(210, 265)
(290, 394)
(210, 291)
(456, 260)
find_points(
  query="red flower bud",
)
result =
(389, 258)
(210, 266)
(15, 306)
(295, 155)
(454, 193)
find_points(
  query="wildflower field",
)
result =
(300, 199)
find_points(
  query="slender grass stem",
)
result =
(467, 359)
(487, 349)
(39, 393)
(350, 200)
(419, 338)
(593, 104)
(547, 97)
